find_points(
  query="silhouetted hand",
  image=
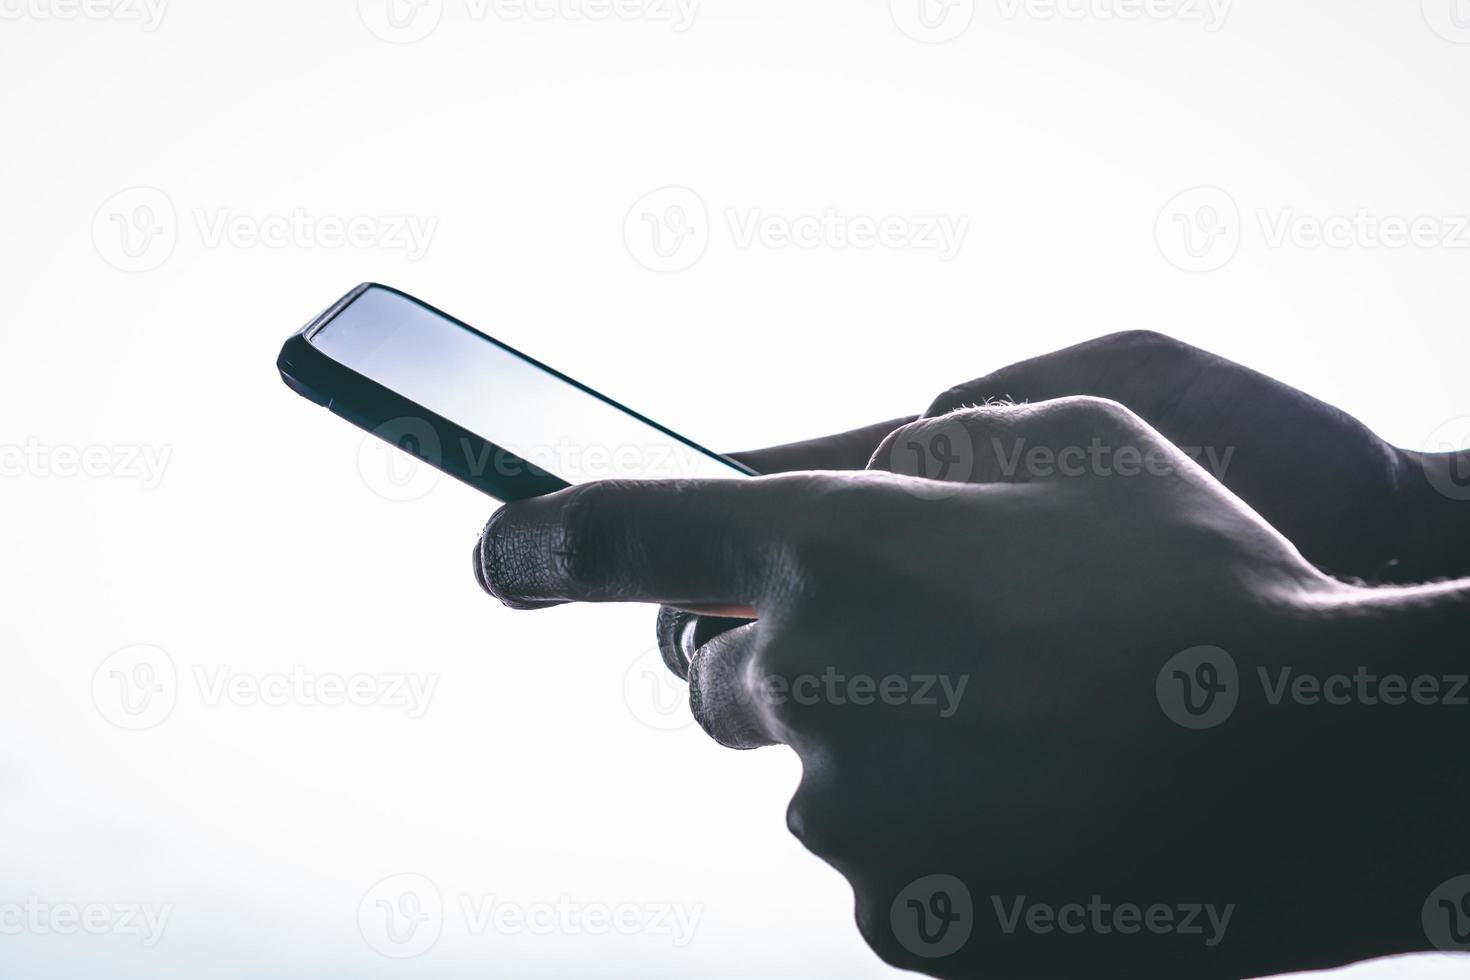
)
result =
(1354, 505)
(1027, 704)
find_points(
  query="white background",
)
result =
(540, 770)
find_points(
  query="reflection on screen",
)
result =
(473, 382)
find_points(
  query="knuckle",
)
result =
(1141, 341)
(828, 814)
(812, 816)
(1090, 413)
(1148, 351)
(586, 540)
(941, 447)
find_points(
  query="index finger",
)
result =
(679, 542)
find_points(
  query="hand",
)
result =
(1354, 505)
(969, 673)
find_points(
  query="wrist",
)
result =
(1389, 783)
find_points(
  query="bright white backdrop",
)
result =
(184, 183)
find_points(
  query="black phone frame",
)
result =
(400, 421)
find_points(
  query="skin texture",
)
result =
(1024, 613)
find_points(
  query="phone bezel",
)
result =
(391, 417)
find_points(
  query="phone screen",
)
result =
(503, 397)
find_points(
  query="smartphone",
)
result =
(476, 408)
